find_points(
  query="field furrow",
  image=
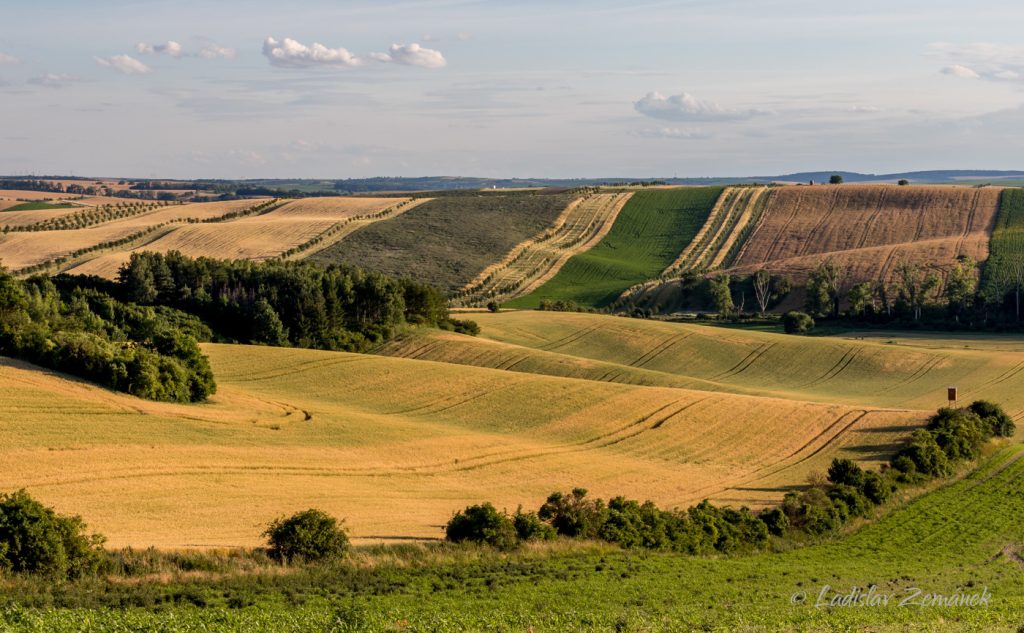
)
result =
(583, 224)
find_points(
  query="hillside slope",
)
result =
(870, 229)
(648, 235)
(290, 429)
(448, 241)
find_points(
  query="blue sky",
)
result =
(558, 89)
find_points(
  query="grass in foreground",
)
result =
(963, 538)
(649, 233)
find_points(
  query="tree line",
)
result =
(913, 294)
(284, 303)
(147, 352)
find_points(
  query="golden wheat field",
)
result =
(531, 263)
(543, 401)
(19, 250)
(255, 237)
(870, 228)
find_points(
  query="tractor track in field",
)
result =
(918, 374)
(571, 338)
(840, 366)
(747, 361)
(659, 349)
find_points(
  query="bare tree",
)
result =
(763, 289)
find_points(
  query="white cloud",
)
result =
(124, 64)
(673, 132)
(6, 59)
(464, 37)
(412, 55)
(292, 54)
(52, 80)
(959, 70)
(865, 109)
(981, 60)
(213, 51)
(289, 53)
(171, 48)
(686, 107)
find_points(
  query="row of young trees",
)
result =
(951, 436)
(913, 294)
(285, 303)
(143, 351)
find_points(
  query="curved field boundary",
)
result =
(39, 251)
(583, 224)
(734, 210)
(646, 237)
(280, 232)
(347, 226)
(78, 217)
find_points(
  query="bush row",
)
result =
(951, 436)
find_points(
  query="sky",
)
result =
(557, 89)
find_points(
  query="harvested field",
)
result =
(647, 236)
(448, 241)
(291, 429)
(583, 224)
(28, 218)
(802, 226)
(24, 195)
(737, 210)
(256, 237)
(902, 374)
(20, 250)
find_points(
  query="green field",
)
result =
(964, 538)
(40, 206)
(447, 241)
(1007, 244)
(650, 232)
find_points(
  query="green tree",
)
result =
(961, 285)
(860, 297)
(721, 294)
(835, 179)
(797, 323)
(482, 524)
(310, 535)
(916, 287)
(903, 182)
(825, 288)
(267, 326)
(35, 539)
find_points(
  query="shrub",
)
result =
(530, 527)
(35, 539)
(999, 423)
(574, 515)
(310, 535)
(797, 322)
(482, 524)
(960, 433)
(877, 488)
(493, 306)
(846, 471)
(775, 520)
(924, 454)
